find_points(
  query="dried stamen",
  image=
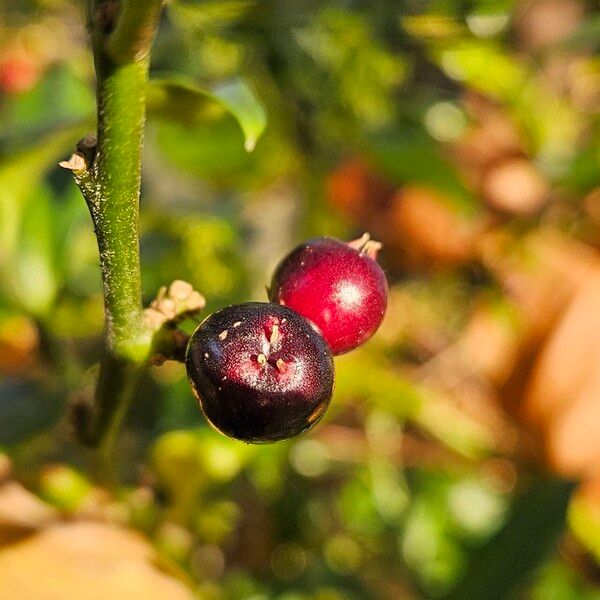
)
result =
(274, 335)
(365, 245)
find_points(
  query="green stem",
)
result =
(121, 93)
(117, 383)
(111, 187)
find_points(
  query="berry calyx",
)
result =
(260, 372)
(339, 287)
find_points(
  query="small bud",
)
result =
(195, 302)
(180, 290)
(75, 163)
(167, 307)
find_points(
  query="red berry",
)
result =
(339, 287)
(260, 372)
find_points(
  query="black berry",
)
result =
(260, 372)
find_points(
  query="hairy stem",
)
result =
(115, 208)
(121, 39)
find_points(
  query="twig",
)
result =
(108, 173)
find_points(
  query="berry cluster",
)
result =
(263, 372)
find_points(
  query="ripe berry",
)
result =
(340, 287)
(260, 372)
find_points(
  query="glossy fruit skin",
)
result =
(260, 372)
(341, 289)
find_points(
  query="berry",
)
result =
(339, 287)
(260, 372)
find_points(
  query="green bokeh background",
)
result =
(396, 494)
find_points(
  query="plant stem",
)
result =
(115, 208)
(111, 187)
(117, 383)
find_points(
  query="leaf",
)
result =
(33, 278)
(523, 544)
(61, 98)
(212, 150)
(484, 66)
(20, 174)
(209, 14)
(243, 105)
(432, 26)
(181, 100)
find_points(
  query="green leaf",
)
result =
(530, 534)
(202, 16)
(181, 100)
(243, 105)
(61, 98)
(213, 150)
(34, 280)
(484, 66)
(21, 173)
(47, 241)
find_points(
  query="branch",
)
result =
(108, 172)
(134, 31)
(115, 208)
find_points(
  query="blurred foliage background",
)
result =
(460, 456)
